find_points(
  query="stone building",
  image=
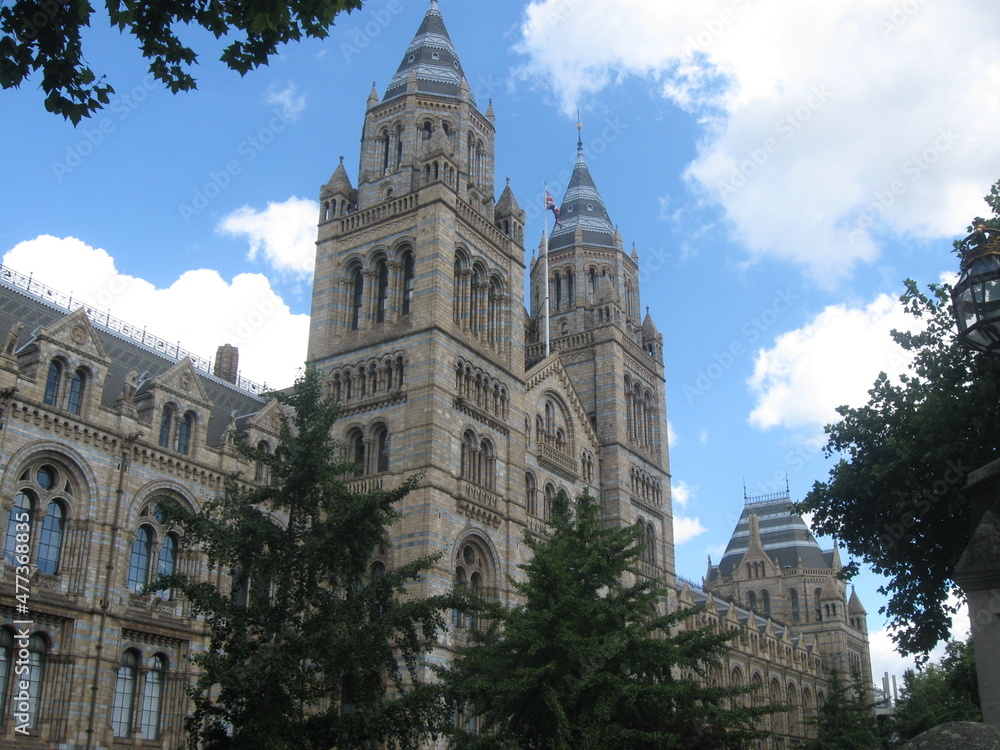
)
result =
(419, 325)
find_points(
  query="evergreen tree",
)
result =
(939, 693)
(846, 721)
(311, 648)
(589, 661)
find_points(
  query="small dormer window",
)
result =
(411, 58)
(590, 207)
(435, 56)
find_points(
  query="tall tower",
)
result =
(613, 358)
(417, 319)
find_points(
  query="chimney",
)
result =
(227, 362)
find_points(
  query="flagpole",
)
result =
(545, 250)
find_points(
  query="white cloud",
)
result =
(200, 310)
(824, 125)
(831, 361)
(672, 437)
(686, 529)
(681, 492)
(289, 103)
(284, 233)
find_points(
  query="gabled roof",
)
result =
(432, 57)
(583, 208)
(124, 355)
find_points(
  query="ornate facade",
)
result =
(419, 324)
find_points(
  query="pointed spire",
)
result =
(635, 254)
(432, 58)
(339, 183)
(583, 209)
(648, 326)
(373, 96)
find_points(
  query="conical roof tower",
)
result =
(583, 208)
(431, 56)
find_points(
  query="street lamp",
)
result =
(975, 302)
(975, 298)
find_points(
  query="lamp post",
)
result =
(976, 306)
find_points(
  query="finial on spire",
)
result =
(579, 130)
(434, 5)
(508, 180)
(341, 159)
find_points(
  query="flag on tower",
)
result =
(550, 205)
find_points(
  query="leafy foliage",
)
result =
(45, 36)
(846, 720)
(895, 499)
(939, 693)
(311, 649)
(589, 661)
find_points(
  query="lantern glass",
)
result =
(976, 303)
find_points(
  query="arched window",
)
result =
(152, 693)
(76, 389)
(52, 382)
(381, 445)
(765, 603)
(385, 150)
(37, 648)
(19, 522)
(592, 280)
(50, 540)
(531, 494)
(470, 453)
(472, 572)
(121, 709)
(817, 594)
(486, 471)
(550, 495)
(356, 446)
(167, 563)
(166, 425)
(184, 432)
(752, 600)
(407, 283)
(139, 557)
(793, 597)
(357, 297)
(382, 271)
(262, 471)
(650, 544)
(558, 291)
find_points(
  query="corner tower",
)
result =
(417, 318)
(613, 358)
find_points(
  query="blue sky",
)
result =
(779, 167)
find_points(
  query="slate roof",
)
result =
(583, 207)
(432, 56)
(20, 305)
(783, 533)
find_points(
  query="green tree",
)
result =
(45, 37)
(895, 498)
(588, 660)
(846, 720)
(312, 648)
(939, 693)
